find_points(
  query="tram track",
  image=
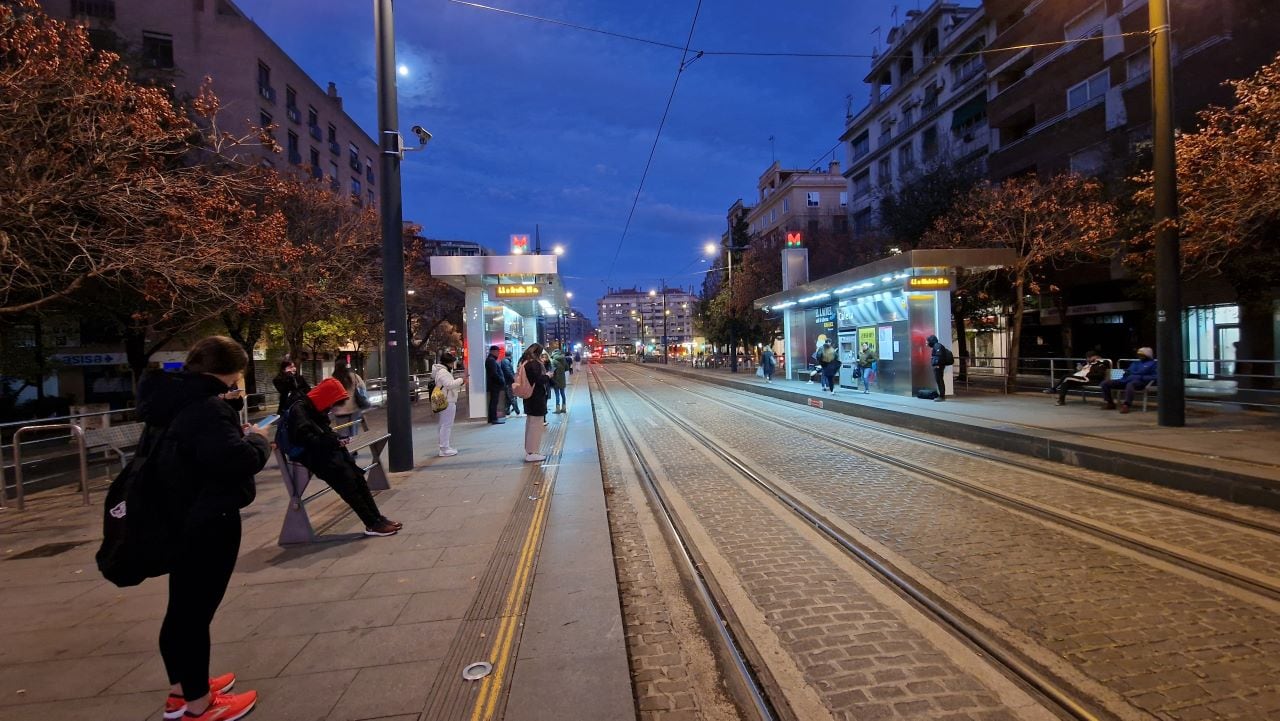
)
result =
(1060, 697)
(1268, 586)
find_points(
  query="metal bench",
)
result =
(297, 526)
(121, 440)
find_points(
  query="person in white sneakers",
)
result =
(442, 375)
(535, 406)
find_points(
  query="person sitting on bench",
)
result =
(1095, 370)
(1137, 376)
(328, 459)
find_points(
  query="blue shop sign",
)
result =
(91, 359)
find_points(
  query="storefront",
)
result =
(505, 295)
(892, 305)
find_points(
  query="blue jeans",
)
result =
(559, 394)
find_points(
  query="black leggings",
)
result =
(349, 483)
(196, 587)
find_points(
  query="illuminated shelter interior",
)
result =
(505, 295)
(894, 304)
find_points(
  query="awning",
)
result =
(969, 111)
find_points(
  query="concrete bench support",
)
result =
(297, 527)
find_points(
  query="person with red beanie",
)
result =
(324, 455)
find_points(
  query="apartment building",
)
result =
(257, 83)
(804, 200)
(632, 318)
(927, 106)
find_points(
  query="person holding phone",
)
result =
(211, 460)
(290, 384)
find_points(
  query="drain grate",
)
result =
(48, 550)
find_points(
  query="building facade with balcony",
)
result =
(631, 320)
(789, 200)
(257, 83)
(927, 106)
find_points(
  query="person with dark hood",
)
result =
(324, 454)
(495, 383)
(509, 377)
(210, 460)
(940, 359)
(290, 384)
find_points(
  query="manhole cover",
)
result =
(48, 549)
(477, 670)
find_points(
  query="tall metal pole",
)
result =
(664, 320)
(1169, 352)
(400, 455)
(733, 331)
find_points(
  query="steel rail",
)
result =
(1050, 688)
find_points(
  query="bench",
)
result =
(297, 526)
(121, 440)
(1202, 388)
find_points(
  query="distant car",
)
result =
(376, 391)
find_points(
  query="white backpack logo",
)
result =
(118, 510)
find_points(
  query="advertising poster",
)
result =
(885, 348)
(866, 335)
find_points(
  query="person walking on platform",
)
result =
(767, 364)
(210, 460)
(442, 375)
(559, 368)
(290, 385)
(509, 377)
(829, 361)
(940, 359)
(494, 384)
(1137, 376)
(867, 366)
(1093, 371)
(323, 453)
(535, 406)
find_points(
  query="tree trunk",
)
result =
(1068, 337)
(40, 359)
(1015, 332)
(245, 331)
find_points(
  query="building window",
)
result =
(862, 221)
(841, 223)
(267, 92)
(356, 189)
(1138, 65)
(811, 198)
(908, 115)
(333, 175)
(844, 199)
(1085, 24)
(291, 104)
(265, 122)
(813, 228)
(773, 215)
(157, 50)
(101, 9)
(371, 197)
(861, 145)
(295, 155)
(316, 171)
(368, 170)
(884, 171)
(929, 143)
(1092, 89)
(353, 158)
(906, 157)
(1090, 161)
(786, 205)
(861, 184)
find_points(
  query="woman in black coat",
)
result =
(535, 406)
(210, 461)
(290, 385)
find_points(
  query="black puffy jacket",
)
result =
(323, 453)
(207, 459)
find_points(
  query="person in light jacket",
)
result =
(348, 411)
(442, 375)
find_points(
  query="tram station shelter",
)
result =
(894, 304)
(505, 295)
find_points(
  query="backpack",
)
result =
(291, 451)
(522, 387)
(947, 357)
(439, 400)
(139, 527)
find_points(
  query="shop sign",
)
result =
(91, 359)
(930, 282)
(517, 290)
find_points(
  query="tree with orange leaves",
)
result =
(1047, 224)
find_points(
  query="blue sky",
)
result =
(536, 123)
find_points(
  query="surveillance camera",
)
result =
(424, 136)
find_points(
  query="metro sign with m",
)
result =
(794, 239)
(519, 244)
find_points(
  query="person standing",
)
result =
(1137, 376)
(290, 384)
(867, 365)
(1093, 371)
(442, 375)
(509, 377)
(767, 364)
(535, 406)
(348, 412)
(559, 369)
(940, 359)
(830, 362)
(494, 384)
(210, 460)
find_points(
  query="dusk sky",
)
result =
(536, 123)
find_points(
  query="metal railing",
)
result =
(76, 431)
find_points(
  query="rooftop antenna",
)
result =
(848, 107)
(876, 50)
(773, 154)
(895, 16)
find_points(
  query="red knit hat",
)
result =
(326, 393)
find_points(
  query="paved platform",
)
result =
(499, 561)
(1223, 451)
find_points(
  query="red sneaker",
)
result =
(175, 705)
(225, 707)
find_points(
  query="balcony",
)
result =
(294, 114)
(267, 92)
(335, 148)
(315, 132)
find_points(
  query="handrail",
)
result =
(76, 431)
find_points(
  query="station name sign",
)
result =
(930, 282)
(517, 290)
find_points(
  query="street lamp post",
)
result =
(1171, 411)
(400, 453)
(733, 335)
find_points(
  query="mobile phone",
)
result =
(268, 420)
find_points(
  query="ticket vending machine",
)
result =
(848, 357)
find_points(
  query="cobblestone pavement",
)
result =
(672, 668)
(860, 649)
(1173, 645)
